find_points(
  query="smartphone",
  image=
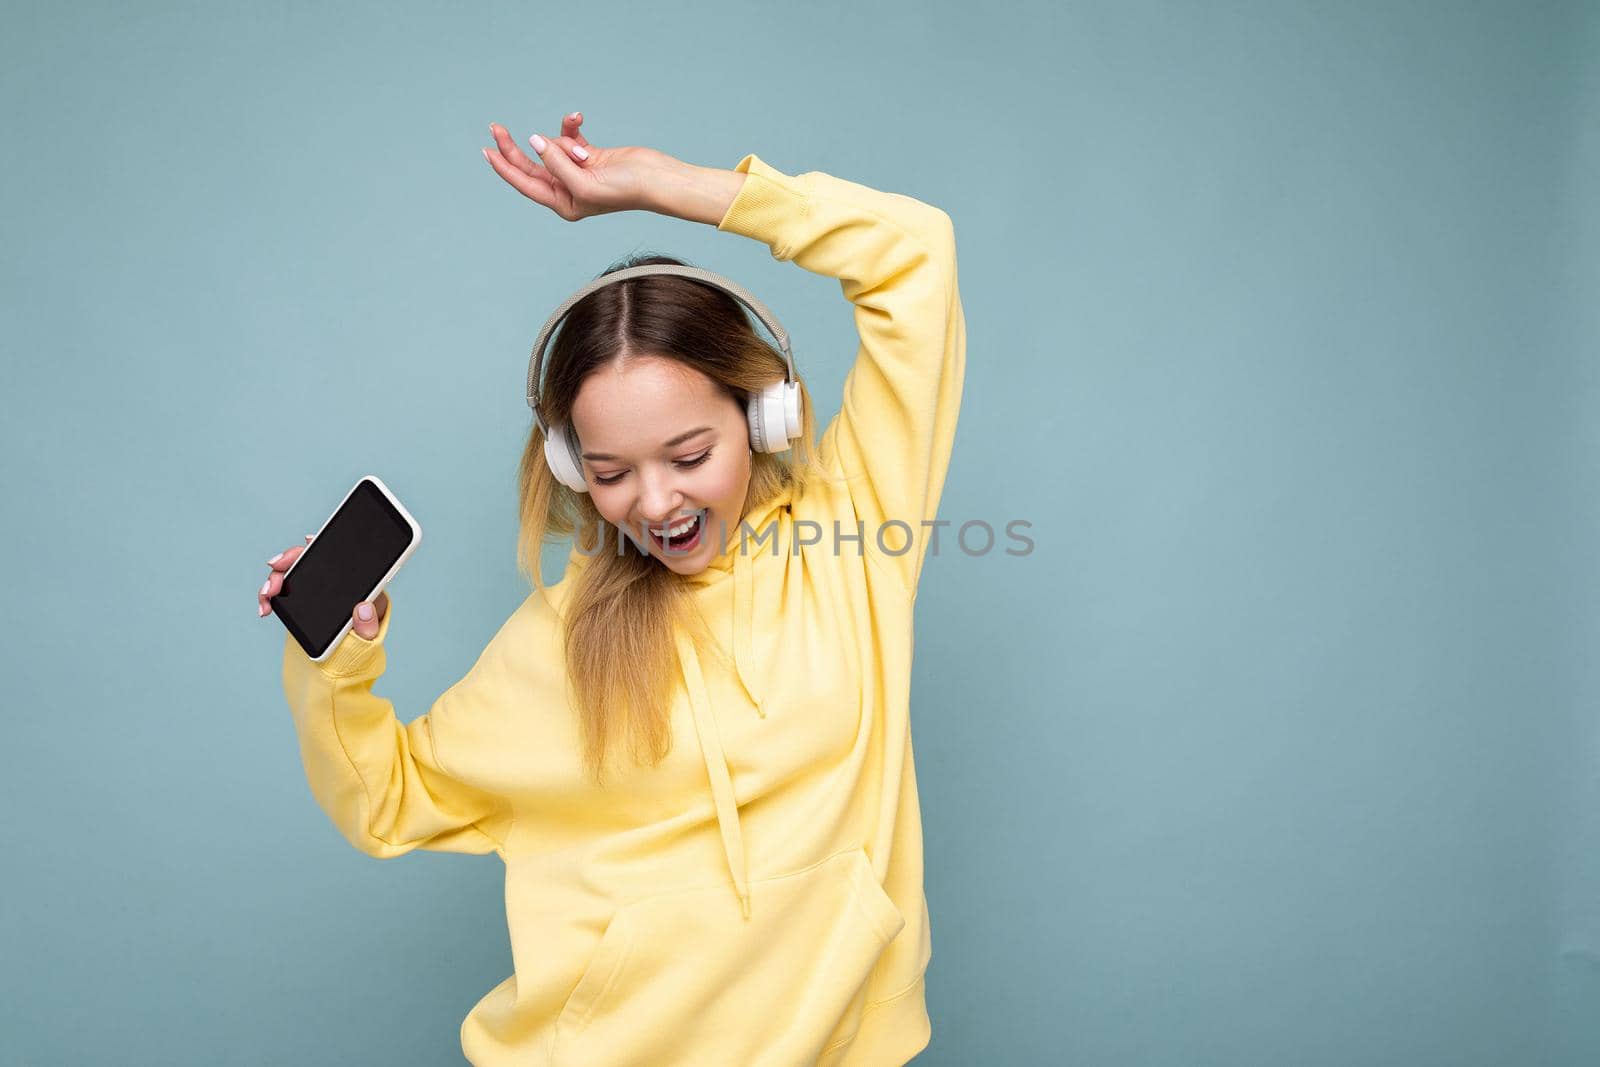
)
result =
(350, 559)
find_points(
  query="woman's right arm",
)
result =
(383, 783)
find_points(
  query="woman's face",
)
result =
(660, 441)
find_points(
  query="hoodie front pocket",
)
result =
(683, 978)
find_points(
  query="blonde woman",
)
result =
(694, 755)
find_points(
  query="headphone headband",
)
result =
(738, 292)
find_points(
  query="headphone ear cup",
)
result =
(791, 410)
(560, 452)
(774, 416)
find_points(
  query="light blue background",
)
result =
(1281, 748)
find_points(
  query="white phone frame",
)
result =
(416, 539)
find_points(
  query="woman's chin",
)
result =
(684, 562)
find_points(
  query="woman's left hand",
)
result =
(578, 179)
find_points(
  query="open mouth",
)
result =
(685, 541)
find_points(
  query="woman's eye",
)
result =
(683, 463)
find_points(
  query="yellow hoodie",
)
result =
(757, 898)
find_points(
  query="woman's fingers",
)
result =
(559, 162)
(284, 559)
(513, 155)
(569, 128)
(580, 153)
(368, 615)
(539, 186)
(556, 176)
(279, 566)
(365, 617)
(571, 184)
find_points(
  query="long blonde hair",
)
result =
(618, 620)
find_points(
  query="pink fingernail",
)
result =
(578, 151)
(538, 143)
(262, 611)
(274, 559)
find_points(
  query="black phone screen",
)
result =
(353, 553)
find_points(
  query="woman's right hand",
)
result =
(610, 179)
(280, 564)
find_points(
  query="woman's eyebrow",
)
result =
(675, 442)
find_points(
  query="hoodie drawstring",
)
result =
(705, 725)
(705, 728)
(743, 611)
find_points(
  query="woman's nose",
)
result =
(659, 502)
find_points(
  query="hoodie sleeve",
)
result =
(895, 258)
(383, 783)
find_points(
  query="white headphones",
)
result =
(773, 414)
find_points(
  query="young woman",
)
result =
(742, 881)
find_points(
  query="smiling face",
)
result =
(647, 467)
